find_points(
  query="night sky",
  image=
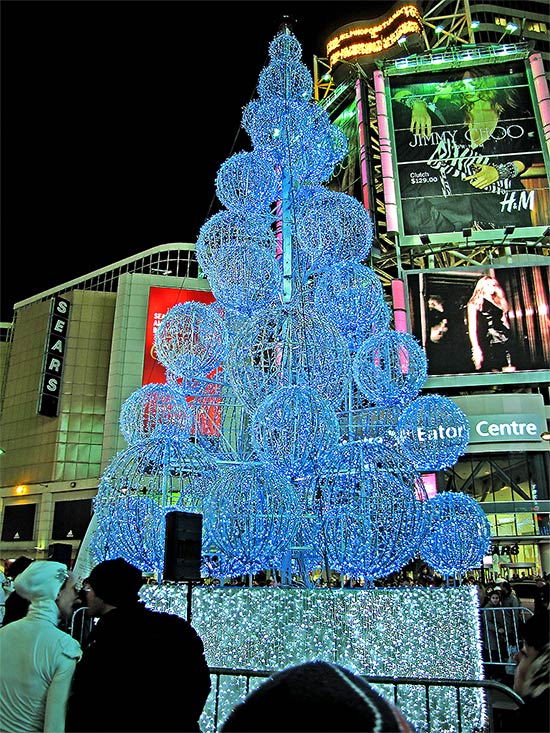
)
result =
(116, 117)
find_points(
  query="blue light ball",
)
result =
(191, 340)
(292, 427)
(168, 472)
(156, 411)
(287, 346)
(372, 518)
(458, 536)
(248, 184)
(433, 432)
(351, 295)
(390, 368)
(333, 227)
(228, 232)
(251, 516)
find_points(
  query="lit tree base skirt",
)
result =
(399, 632)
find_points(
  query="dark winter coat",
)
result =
(141, 670)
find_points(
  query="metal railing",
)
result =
(500, 632)
(427, 708)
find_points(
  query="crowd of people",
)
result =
(51, 683)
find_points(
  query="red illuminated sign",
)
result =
(207, 410)
(160, 301)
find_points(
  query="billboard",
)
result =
(207, 406)
(160, 301)
(481, 319)
(468, 153)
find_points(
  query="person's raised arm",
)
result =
(477, 353)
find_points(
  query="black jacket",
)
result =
(141, 670)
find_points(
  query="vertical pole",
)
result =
(189, 597)
(286, 227)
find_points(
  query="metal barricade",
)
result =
(80, 625)
(494, 694)
(500, 632)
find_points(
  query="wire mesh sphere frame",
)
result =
(458, 536)
(247, 183)
(390, 368)
(292, 427)
(246, 280)
(191, 340)
(433, 432)
(296, 135)
(227, 232)
(285, 47)
(168, 472)
(252, 516)
(288, 346)
(351, 294)
(155, 411)
(134, 528)
(285, 78)
(333, 227)
(372, 518)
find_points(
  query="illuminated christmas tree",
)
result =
(291, 418)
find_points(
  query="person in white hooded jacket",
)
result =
(38, 659)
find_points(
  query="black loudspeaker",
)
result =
(182, 546)
(60, 553)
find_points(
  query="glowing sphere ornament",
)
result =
(390, 368)
(372, 519)
(292, 427)
(433, 432)
(134, 528)
(458, 536)
(228, 232)
(156, 411)
(285, 46)
(251, 516)
(191, 340)
(246, 280)
(295, 135)
(352, 296)
(288, 346)
(334, 227)
(287, 79)
(247, 183)
(168, 472)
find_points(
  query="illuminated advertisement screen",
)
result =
(160, 301)
(468, 152)
(481, 320)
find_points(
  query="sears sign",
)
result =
(54, 357)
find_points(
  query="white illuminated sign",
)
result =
(504, 428)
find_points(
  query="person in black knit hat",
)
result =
(131, 657)
(315, 696)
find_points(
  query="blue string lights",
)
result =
(251, 516)
(433, 432)
(292, 427)
(458, 536)
(191, 340)
(291, 417)
(156, 411)
(352, 296)
(390, 368)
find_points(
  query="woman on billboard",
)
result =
(489, 327)
(478, 158)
